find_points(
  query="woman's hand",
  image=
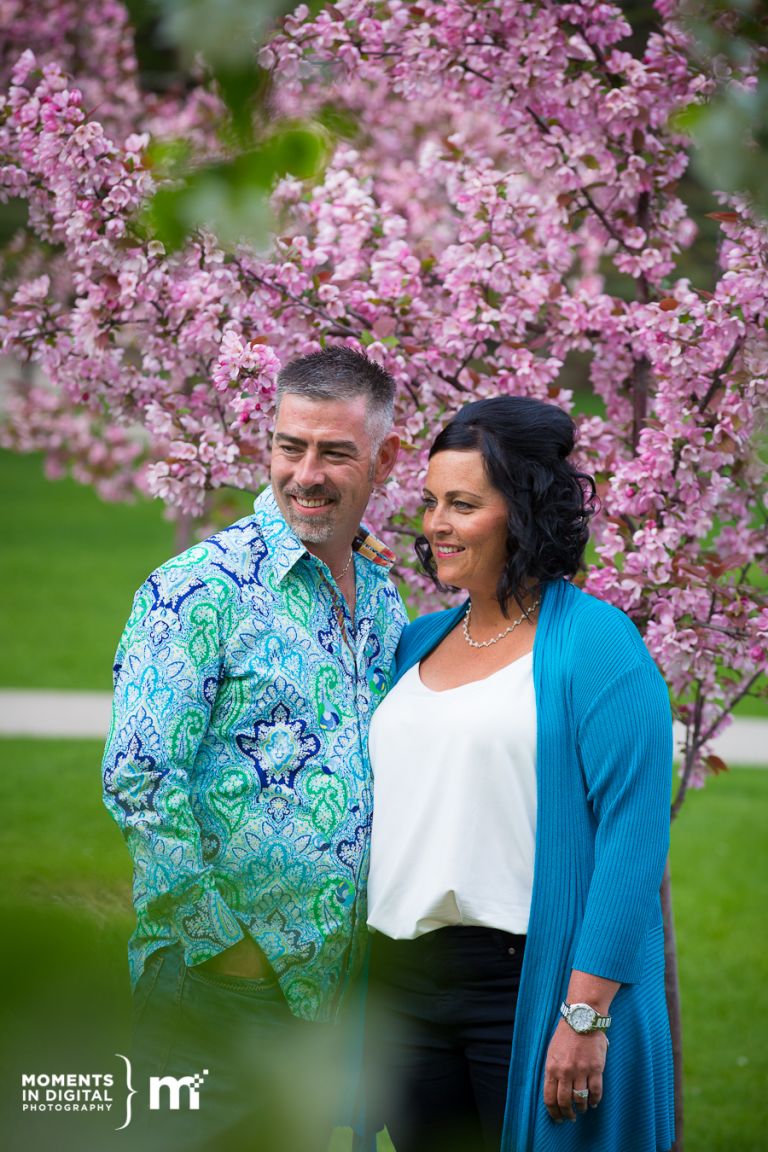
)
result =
(574, 1061)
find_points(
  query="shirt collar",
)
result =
(284, 548)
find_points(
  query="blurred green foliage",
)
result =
(730, 130)
(229, 193)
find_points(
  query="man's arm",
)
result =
(166, 671)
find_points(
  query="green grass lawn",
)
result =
(69, 567)
(65, 916)
(719, 868)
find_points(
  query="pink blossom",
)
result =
(505, 172)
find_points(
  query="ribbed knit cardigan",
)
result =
(604, 755)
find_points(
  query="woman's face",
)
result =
(465, 522)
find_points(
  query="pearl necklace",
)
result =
(494, 639)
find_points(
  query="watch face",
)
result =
(581, 1018)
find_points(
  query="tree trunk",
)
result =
(672, 986)
(183, 533)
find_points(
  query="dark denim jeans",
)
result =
(440, 1017)
(268, 1082)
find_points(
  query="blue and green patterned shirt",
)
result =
(237, 762)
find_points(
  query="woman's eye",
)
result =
(463, 506)
(428, 502)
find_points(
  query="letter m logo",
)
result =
(174, 1085)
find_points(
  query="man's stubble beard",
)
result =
(314, 532)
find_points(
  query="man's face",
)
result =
(323, 468)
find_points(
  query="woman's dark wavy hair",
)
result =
(525, 445)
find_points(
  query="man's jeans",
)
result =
(264, 1081)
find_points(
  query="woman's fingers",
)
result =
(573, 1077)
(595, 1089)
(551, 1084)
(565, 1099)
(580, 1095)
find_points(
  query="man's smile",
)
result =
(311, 504)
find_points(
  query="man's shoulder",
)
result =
(232, 554)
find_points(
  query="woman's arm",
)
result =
(574, 1061)
(624, 736)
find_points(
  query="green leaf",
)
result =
(231, 197)
(686, 119)
(225, 33)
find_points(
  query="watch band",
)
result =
(597, 1023)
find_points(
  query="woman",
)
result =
(522, 769)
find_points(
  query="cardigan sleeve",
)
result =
(625, 747)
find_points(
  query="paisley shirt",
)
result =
(237, 762)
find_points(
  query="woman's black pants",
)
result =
(439, 1035)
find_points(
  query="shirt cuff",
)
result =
(205, 925)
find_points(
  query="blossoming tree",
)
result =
(499, 213)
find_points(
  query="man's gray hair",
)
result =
(341, 373)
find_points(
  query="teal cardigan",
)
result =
(603, 762)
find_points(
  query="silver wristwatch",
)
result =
(584, 1019)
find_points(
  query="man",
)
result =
(237, 768)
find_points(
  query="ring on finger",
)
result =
(581, 1093)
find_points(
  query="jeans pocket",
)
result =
(260, 987)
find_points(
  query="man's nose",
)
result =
(309, 471)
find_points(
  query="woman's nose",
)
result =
(439, 523)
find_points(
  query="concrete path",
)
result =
(86, 714)
(49, 714)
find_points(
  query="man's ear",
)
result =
(386, 457)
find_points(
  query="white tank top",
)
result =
(454, 815)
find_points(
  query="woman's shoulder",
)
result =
(597, 645)
(593, 621)
(423, 633)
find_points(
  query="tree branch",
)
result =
(720, 373)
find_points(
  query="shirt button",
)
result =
(511, 951)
